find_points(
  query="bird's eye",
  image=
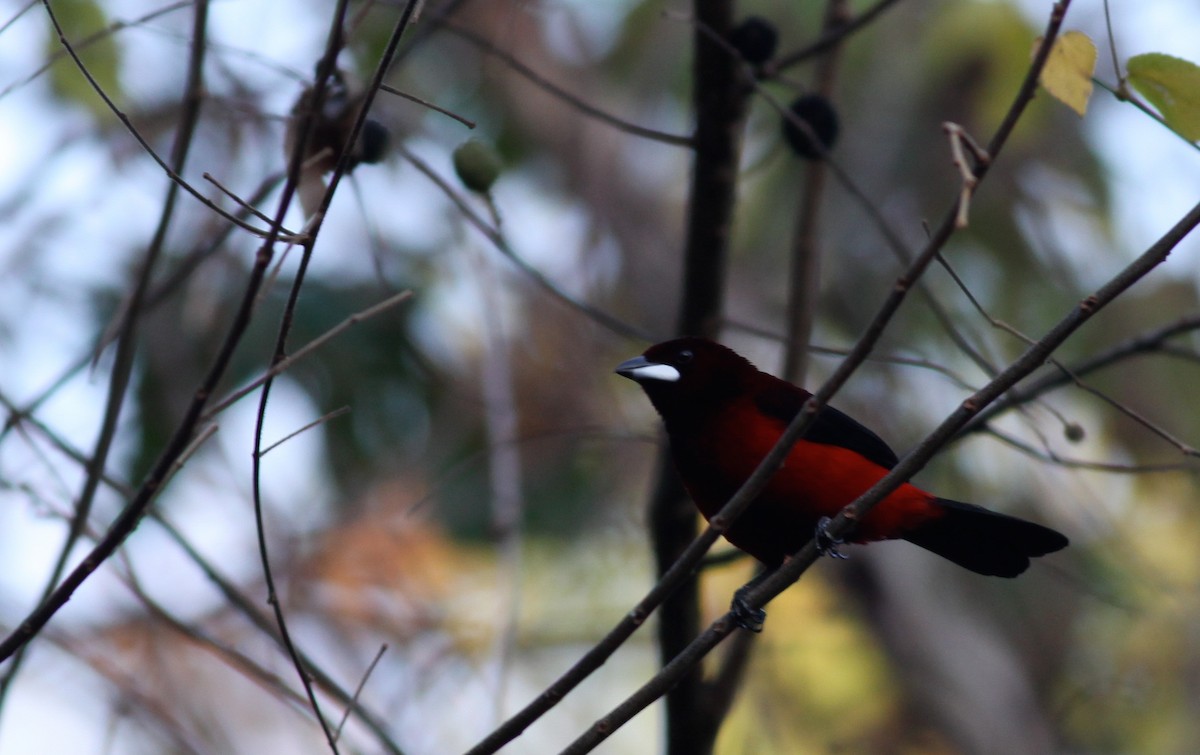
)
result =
(685, 356)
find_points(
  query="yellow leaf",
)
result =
(1173, 86)
(1068, 72)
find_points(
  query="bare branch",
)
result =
(362, 683)
(285, 364)
(829, 38)
(501, 244)
(316, 422)
(426, 103)
(1050, 457)
(305, 130)
(122, 370)
(563, 94)
(133, 131)
(843, 524)
(718, 524)
(961, 143)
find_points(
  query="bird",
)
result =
(330, 129)
(723, 415)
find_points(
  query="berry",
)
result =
(372, 141)
(477, 165)
(822, 120)
(755, 40)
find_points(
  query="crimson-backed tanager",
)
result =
(723, 416)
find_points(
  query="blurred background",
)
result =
(476, 520)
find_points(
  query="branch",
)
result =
(1050, 457)
(720, 99)
(426, 103)
(690, 558)
(270, 234)
(829, 37)
(132, 513)
(122, 370)
(1142, 344)
(805, 279)
(1075, 378)
(492, 234)
(563, 94)
(87, 41)
(232, 595)
(325, 69)
(286, 363)
(844, 523)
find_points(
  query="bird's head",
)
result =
(687, 377)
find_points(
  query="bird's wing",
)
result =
(783, 401)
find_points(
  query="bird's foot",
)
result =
(750, 619)
(827, 544)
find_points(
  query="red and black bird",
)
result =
(723, 416)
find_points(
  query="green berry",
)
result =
(477, 165)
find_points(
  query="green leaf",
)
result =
(87, 29)
(1172, 85)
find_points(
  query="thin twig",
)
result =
(1184, 448)
(145, 145)
(1050, 457)
(564, 94)
(316, 422)
(1123, 93)
(362, 683)
(1112, 44)
(83, 44)
(501, 244)
(240, 202)
(1142, 344)
(828, 39)
(426, 103)
(325, 70)
(285, 364)
(961, 143)
(843, 524)
(242, 604)
(122, 368)
(758, 480)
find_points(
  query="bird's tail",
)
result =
(986, 542)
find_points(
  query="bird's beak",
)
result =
(640, 369)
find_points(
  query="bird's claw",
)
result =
(827, 544)
(750, 619)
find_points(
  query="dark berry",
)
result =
(372, 141)
(755, 39)
(815, 111)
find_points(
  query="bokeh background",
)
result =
(480, 509)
